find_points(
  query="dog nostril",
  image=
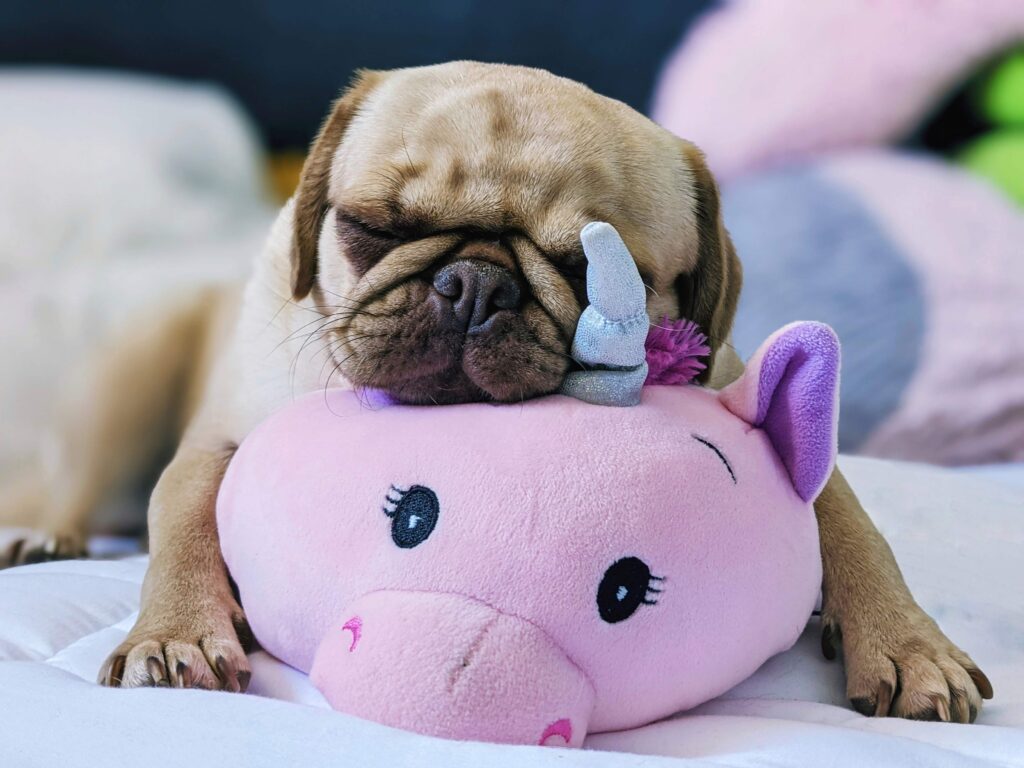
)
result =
(506, 295)
(448, 283)
(477, 290)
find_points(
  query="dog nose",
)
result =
(477, 290)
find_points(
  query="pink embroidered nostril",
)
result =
(355, 626)
(561, 729)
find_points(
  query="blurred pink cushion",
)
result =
(757, 83)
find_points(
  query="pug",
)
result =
(432, 251)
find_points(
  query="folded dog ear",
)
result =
(311, 202)
(790, 389)
(708, 295)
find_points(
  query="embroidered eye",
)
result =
(413, 514)
(625, 586)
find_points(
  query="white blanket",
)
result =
(959, 539)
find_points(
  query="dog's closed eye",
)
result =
(362, 243)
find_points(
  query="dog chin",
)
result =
(501, 363)
(467, 384)
(437, 389)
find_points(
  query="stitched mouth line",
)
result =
(498, 614)
(467, 658)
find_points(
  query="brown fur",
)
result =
(311, 202)
(709, 294)
(537, 157)
(411, 170)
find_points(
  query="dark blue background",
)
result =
(287, 60)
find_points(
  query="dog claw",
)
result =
(184, 675)
(864, 705)
(227, 674)
(157, 671)
(885, 693)
(25, 546)
(116, 672)
(877, 705)
(981, 681)
(828, 642)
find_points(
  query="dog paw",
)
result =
(21, 546)
(904, 666)
(203, 650)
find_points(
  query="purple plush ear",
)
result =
(790, 389)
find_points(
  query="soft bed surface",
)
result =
(959, 539)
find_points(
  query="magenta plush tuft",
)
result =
(676, 350)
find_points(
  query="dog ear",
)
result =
(311, 201)
(708, 295)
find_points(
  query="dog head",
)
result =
(437, 226)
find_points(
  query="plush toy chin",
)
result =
(530, 573)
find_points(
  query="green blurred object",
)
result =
(1002, 92)
(999, 157)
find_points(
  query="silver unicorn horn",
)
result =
(610, 336)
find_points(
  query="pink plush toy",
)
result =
(530, 573)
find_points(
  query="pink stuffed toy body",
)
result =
(528, 573)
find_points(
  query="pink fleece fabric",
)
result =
(757, 83)
(530, 573)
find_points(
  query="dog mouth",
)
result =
(447, 385)
(413, 357)
(463, 378)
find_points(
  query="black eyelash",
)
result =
(652, 590)
(720, 455)
(401, 493)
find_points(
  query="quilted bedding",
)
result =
(959, 539)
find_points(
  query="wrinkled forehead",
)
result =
(476, 122)
(501, 148)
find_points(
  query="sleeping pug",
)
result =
(432, 250)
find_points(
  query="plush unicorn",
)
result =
(529, 573)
